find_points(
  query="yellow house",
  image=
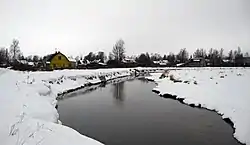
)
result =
(58, 61)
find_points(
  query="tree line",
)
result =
(11, 56)
(116, 58)
(216, 57)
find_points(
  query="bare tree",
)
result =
(200, 53)
(238, 54)
(111, 57)
(221, 53)
(119, 51)
(230, 55)
(15, 50)
(210, 54)
(215, 54)
(183, 55)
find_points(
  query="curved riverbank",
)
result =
(212, 89)
(28, 101)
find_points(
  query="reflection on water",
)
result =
(89, 89)
(118, 92)
(129, 113)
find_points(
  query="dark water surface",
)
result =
(129, 113)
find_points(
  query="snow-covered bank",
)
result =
(28, 103)
(224, 90)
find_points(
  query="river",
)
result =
(129, 113)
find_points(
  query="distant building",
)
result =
(227, 63)
(195, 62)
(73, 62)
(161, 63)
(164, 63)
(128, 60)
(25, 62)
(58, 61)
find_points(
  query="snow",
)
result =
(29, 114)
(225, 90)
(28, 101)
(71, 59)
(196, 60)
(226, 60)
(153, 76)
(102, 63)
(26, 62)
(180, 64)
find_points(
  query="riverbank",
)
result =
(28, 101)
(225, 91)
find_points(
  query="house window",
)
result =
(54, 65)
(59, 57)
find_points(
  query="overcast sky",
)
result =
(162, 26)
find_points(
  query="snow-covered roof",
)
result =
(165, 61)
(31, 63)
(161, 62)
(26, 62)
(180, 64)
(71, 59)
(156, 62)
(197, 59)
(226, 60)
(97, 60)
(101, 63)
(23, 61)
(129, 59)
(125, 60)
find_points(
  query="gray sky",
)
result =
(162, 26)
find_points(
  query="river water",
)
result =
(129, 113)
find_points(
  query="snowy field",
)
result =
(225, 90)
(28, 101)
